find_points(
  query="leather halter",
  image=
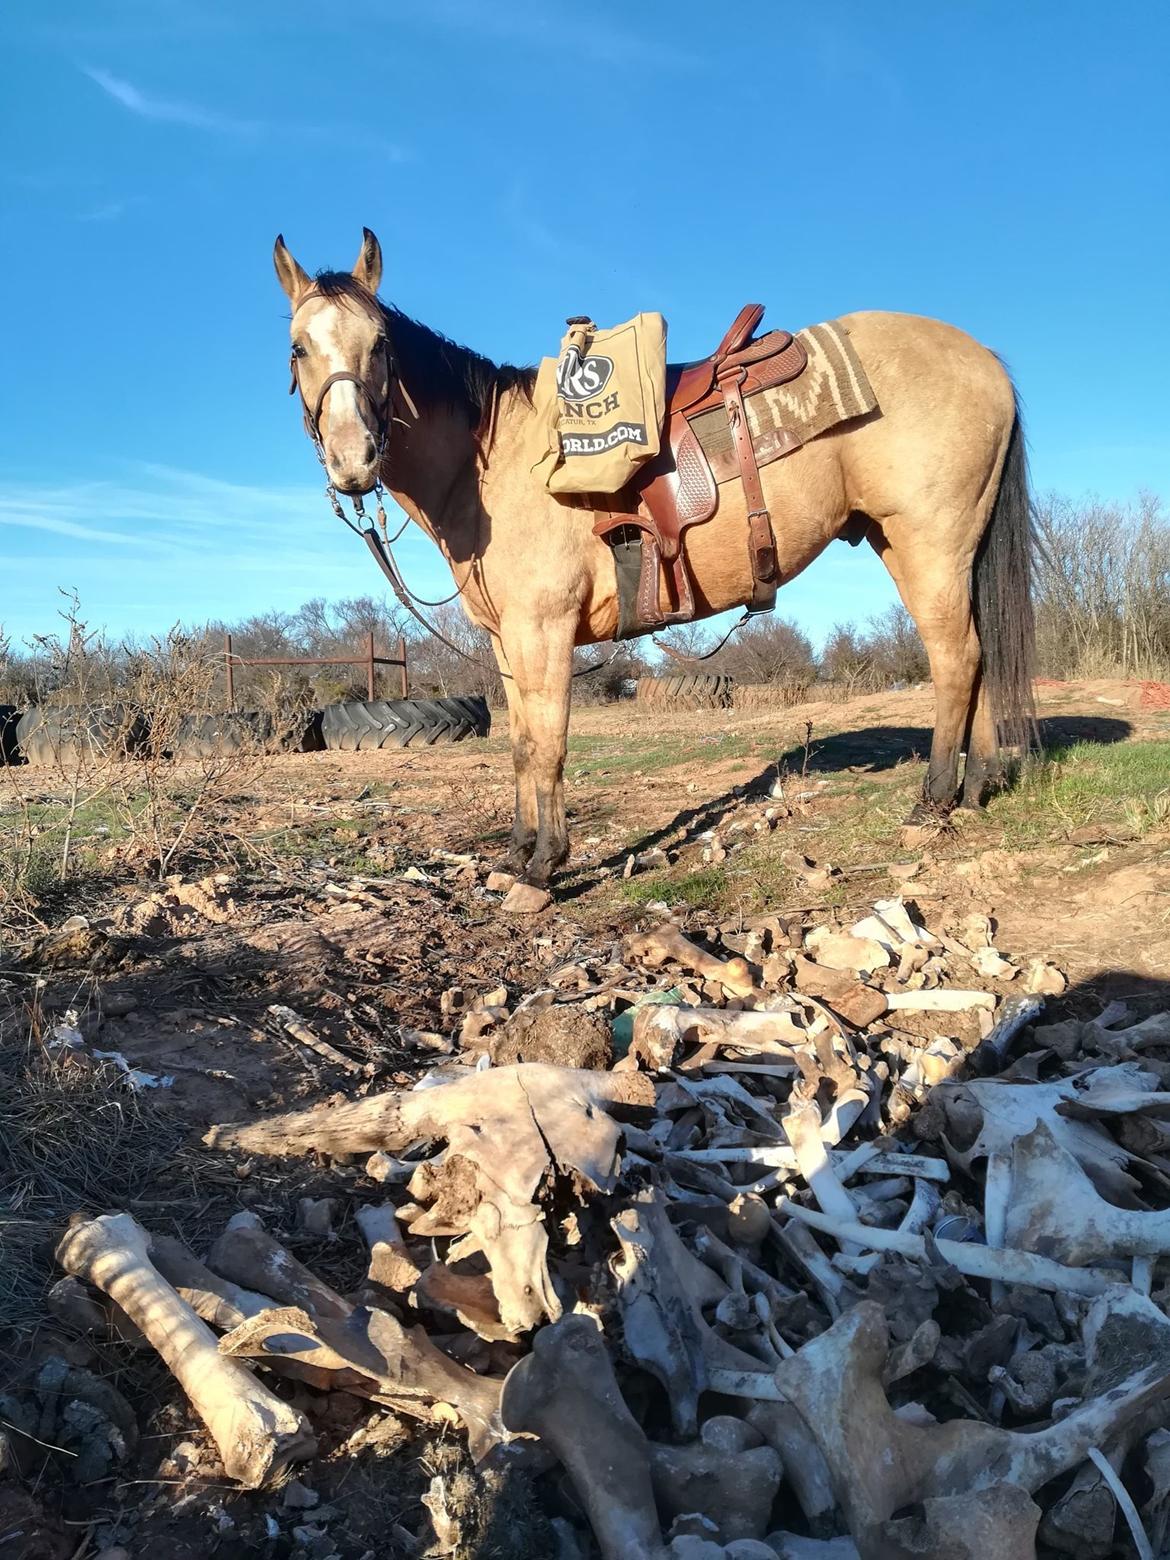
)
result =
(383, 414)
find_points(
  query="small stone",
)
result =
(859, 1005)
(477, 1024)
(497, 997)
(628, 869)
(903, 871)
(526, 899)
(315, 1216)
(299, 1497)
(499, 882)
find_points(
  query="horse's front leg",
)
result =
(524, 825)
(540, 658)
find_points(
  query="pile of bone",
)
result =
(796, 1275)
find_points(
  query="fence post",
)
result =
(231, 680)
(370, 665)
(402, 665)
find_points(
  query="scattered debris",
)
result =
(822, 1252)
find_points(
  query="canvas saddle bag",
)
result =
(600, 405)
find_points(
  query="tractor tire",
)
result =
(770, 696)
(211, 736)
(693, 691)
(9, 748)
(67, 734)
(360, 727)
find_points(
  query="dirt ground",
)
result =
(356, 898)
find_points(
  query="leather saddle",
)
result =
(677, 489)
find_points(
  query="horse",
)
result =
(936, 481)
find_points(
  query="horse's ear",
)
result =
(289, 274)
(368, 270)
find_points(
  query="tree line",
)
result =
(1102, 602)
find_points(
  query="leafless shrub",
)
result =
(1103, 588)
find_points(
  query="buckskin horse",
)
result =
(934, 478)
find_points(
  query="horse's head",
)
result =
(341, 363)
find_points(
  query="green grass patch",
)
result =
(699, 889)
(1125, 785)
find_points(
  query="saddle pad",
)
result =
(831, 390)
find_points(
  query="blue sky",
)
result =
(1002, 165)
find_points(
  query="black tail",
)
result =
(1002, 598)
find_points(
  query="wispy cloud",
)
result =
(160, 543)
(193, 116)
(167, 110)
(533, 24)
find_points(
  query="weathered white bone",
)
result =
(514, 1126)
(373, 1356)
(1055, 1210)
(565, 1392)
(391, 1265)
(663, 1327)
(802, 1125)
(257, 1433)
(949, 1000)
(248, 1255)
(662, 1028)
(735, 1491)
(215, 1298)
(880, 1462)
(1010, 1267)
(666, 943)
(805, 1468)
(1000, 1522)
(1010, 1110)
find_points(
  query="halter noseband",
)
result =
(383, 416)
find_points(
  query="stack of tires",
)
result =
(359, 727)
(73, 733)
(770, 696)
(691, 691)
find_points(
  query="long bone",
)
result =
(248, 1255)
(666, 943)
(257, 1433)
(565, 1392)
(367, 1353)
(880, 1463)
(512, 1126)
(1056, 1211)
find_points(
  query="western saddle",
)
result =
(677, 489)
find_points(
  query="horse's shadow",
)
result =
(872, 750)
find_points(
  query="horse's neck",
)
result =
(431, 474)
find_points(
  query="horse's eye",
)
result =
(298, 351)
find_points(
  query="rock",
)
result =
(299, 1497)
(855, 1002)
(860, 1005)
(526, 899)
(477, 1024)
(500, 882)
(315, 1216)
(843, 951)
(561, 1034)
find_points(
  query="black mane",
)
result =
(435, 370)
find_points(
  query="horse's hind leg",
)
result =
(984, 772)
(935, 586)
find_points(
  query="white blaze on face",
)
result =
(323, 330)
